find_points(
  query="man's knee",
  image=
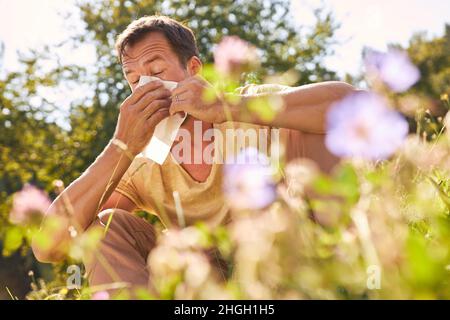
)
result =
(107, 223)
(116, 226)
(123, 228)
(124, 246)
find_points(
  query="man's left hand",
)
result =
(198, 98)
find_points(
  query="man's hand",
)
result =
(140, 113)
(197, 97)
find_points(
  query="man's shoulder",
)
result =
(252, 88)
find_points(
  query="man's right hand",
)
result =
(140, 113)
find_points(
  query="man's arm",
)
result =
(302, 108)
(302, 111)
(302, 119)
(78, 205)
(119, 201)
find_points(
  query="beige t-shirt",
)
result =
(151, 186)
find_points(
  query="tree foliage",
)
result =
(432, 56)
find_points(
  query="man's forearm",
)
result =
(78, 204)
(302, 108)
(87, 193)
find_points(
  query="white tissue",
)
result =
(165, 131)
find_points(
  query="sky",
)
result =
(375, 24)
(28, 24)
(31, 24)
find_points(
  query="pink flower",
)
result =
(28, 202)
(232, 54)
(100, 295)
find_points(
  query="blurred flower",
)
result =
(444, 97)
(174, 248)
(180, 258)
(447, 123)
(100, 295)
(197, 268)
(186, 238)
(394, 68)
(59, 186)
(425, 156)
(300, 173)
(361, 125)
(233, 53)
(27, 203)
(256, 240)
(248, 183)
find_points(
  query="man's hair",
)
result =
(180, 37)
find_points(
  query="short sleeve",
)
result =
(128, 184)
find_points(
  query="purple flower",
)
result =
(362, 126)
(27, 203)
(233, 53)
(248, 182)
(393, 68)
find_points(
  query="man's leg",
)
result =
(122, 253)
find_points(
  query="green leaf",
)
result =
(347, 182)
(13, 240)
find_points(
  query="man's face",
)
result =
(152, 56)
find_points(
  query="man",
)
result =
(119, 182)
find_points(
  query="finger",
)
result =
(180, 91)
(195, 87)
(182, 87)
(179, 107)
(185, 95)
(178, 97)
(139, 92)
(158, 94)
(155, 106)
(156, 117)
(183, 103)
